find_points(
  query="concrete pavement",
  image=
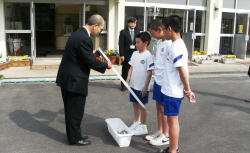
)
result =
(32, 118)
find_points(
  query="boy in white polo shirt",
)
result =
(160, 137)
(175, 80)
(139, 76)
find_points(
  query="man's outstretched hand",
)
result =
(109, 65)
(96, 53)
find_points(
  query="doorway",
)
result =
(44, 29)
(193, 32)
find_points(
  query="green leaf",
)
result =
(1, 77)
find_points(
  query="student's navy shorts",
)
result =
(157, 94)
(138, 94)
(172, 106)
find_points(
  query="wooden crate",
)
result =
(118, 60)
(101, 59)
(4, 66)
(20, 63)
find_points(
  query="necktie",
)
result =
(132, 36)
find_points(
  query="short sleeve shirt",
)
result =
(141, 63)
(162, 48)
(177, 57)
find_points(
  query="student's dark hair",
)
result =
(155, 24)
(95, 19)
(144, 36)
(131, 19)
(174, 21)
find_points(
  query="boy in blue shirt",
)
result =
(139, 76)
(175, 80)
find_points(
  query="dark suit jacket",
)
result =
(125, 42)
(78, 59)
(248, 71)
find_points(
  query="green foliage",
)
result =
(1, 77)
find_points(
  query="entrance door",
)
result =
(152, 13)
(241, 35)
(82, 14)
(32, 25)
(189, 36)
(189, 22)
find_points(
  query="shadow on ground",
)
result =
(91, 125)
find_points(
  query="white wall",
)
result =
(115, 22)
(111, 24)
(213, 26)
(120, 19)
(2, 29)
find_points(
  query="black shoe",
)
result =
(167, 150)
(82, 143)
(122, 88)
(163, 151)
(84, 137)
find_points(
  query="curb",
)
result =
(207, 73)
(94, 78)
(30, 80)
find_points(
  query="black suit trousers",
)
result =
(74, 109)
(125, 69)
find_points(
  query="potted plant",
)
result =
(112, 55)
(199, 52)
(229, 59)
(1, 78)
(206, 60)
(215, 56)
(197, 60)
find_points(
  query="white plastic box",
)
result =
(116, 125)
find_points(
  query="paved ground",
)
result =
(32, 118)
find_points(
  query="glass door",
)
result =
(189, 34)
(227, 35)
(18, 28)
(151, 13)
(241, 35)
(32, 25)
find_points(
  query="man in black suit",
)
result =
(127, 46)
(73, 76)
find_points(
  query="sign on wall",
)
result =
(87, 7)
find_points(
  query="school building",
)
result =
(40, 28)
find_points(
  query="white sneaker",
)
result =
(134, 125)
(140, 130)
(160, 140)
(153, 136)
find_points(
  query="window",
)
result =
(138, 13)
(17, 16)
(98, 9)
(227, 23)
(226, 45)
(18, 41)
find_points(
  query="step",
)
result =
(43, 67)
(46, 63)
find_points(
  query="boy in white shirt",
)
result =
(175, 80)
(139, 76)
(160, 137)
